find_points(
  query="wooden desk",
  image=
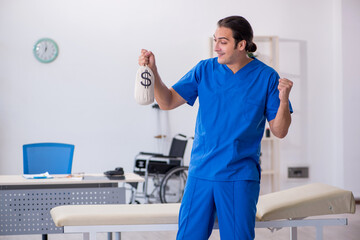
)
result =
(25, 204)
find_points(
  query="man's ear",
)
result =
(241, 45)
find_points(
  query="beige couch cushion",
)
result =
(304, 201)
(122, 214)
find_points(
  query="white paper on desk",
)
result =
(45, 175)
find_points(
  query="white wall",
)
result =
(351, 96)
(85, 96)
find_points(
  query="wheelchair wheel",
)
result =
(173, 185)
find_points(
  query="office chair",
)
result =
(154, 166)
(55, 158)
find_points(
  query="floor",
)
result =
(350, 232)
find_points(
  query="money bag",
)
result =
(144, 86)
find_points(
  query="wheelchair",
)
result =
(167, 174)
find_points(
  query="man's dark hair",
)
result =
(241, 29)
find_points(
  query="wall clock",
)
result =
(46, 50)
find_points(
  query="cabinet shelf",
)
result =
(268, 172)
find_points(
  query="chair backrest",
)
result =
(55, 158)
(178, 146)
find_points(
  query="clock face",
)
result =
(45, 50)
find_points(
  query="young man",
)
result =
(236, 96)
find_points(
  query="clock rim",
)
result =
(51, 59)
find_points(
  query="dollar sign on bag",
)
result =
(145, 75)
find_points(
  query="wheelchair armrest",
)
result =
(151, 154)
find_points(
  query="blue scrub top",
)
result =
(231, 117)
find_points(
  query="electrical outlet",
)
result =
(298, 172)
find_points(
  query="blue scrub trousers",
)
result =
(234, 203)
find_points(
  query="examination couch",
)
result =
(288, 208)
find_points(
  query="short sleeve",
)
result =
(187, 86)
(273, 101)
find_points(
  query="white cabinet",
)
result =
(268, 52)
(269, 163)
